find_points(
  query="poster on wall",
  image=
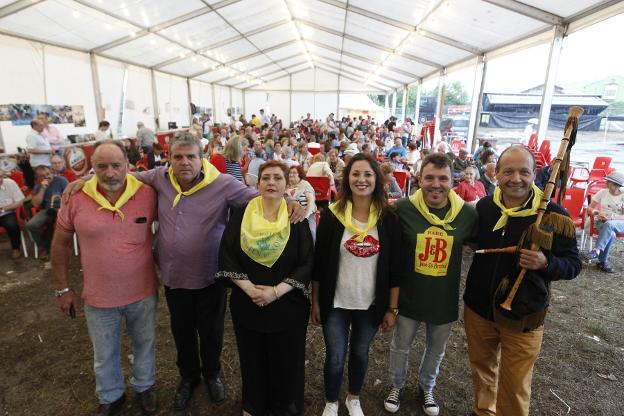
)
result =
(78, 115)
(23, 114)
(4, 113)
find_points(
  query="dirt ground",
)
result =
(46, 358)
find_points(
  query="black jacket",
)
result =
(489, 186)
(327, 257)
(487, 270)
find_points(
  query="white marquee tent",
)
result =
(131, 60)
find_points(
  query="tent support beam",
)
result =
(155, 100)
(403, 111)
(97, 93)
(439, 107)
(476, 105)
(549, 82)
(417, 105)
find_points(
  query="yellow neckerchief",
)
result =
(418, 200)
(210, 174)
(132, 186)
(516, 211)
(346, 219)
(262, 240)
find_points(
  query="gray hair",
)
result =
(475, 171)
(185, 139)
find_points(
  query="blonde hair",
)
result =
(319, 157)
(386, 168)
(232, 149)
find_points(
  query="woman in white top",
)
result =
(355, 287)
(301, 190)
(320, 167)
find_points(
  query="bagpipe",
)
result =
(540, 234)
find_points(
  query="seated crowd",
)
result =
(236, 209)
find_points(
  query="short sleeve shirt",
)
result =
(9, 193)
(116, 255)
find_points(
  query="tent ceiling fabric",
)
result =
(245, 43)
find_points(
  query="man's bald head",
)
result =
(515, 150)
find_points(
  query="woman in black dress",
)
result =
(269, 261)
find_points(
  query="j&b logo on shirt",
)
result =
(433, 252)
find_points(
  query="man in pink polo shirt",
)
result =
(112, 217)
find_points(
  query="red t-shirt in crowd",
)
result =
(469, 192)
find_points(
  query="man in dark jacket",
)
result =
(503, 345)
(488, 179)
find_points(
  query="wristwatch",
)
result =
(59, 293)
(393, 311)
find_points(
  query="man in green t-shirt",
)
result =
(434, 222)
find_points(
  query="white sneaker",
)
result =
(354, 408)
(393, 400)
(429, 405)
(331, 409)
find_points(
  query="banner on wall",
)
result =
(23, 114)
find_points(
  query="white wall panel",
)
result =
(302, 103)
(111, 75)
(237, 99)
(172, 100)
(68, 81)
(201, 94)
(222, 103)
(325, 104)
(279, 105)
(21, 82)
(139, 105)
(254, 101)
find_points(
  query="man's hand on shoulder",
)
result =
(71, 189)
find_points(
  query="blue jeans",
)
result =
(104, 326)
(404, 334)
(607, 236)
(361, 324)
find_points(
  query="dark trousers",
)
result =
(197, 313)
(361, 327)
(9, 223)
(273, 370)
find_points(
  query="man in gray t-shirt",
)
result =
(145, 136)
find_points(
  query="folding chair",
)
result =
(321, 186)
(600, 169)
(574, 202)
(401, 178)
(19, 213)
(593, 231)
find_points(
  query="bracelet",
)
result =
(275, 291)
(60, 293)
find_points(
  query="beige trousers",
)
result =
(502, 362)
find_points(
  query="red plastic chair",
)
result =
(574, 203)
(542, 156)
(601, 168)
(322, 191)
(401, 178)
(532, 145)
(593, 231)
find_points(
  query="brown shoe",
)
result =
(15, 254)
(112, 409)
(148, 401)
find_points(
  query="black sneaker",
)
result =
(429, 405)
(605, 267)
(393, 400)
